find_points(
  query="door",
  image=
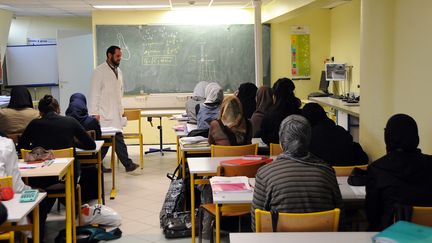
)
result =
(75, 63)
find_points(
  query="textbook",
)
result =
(404, 232)
(230, 184)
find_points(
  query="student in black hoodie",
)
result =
(402, 176)
(331, 142)
(285, 104)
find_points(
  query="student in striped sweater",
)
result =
(297, 181)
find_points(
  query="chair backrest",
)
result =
(221, 150)
(422, 216)
(58, 153)
(248, 170)
(346, 170)
(134, 115)
(6, 181)
(275, 149)
(298, 222)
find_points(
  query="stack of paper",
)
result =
(180, 117)
(198, 141)
(230, 184)
(109, 130)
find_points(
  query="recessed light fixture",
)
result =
(131, 6)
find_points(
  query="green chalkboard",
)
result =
(173, 58)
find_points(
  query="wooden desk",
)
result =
(98, 162)
(208, 166)
(159, 114)
(300, 237)
(109, 133)
(17, 211)
(63, 169)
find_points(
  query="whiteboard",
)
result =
(32, 65)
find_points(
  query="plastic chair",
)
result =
(53, 189)
(275, 149)
(237, 210)
(298, 222)
(135, 115)
(240, 150)
(346, 170)
(10, 236)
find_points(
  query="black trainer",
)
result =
(132, 167)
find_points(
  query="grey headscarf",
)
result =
(294, 137)
(213, 93)
(199, 90)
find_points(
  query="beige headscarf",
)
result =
(231, 115)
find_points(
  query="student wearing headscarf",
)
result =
(297, 181)
(285, 104)
(198, 97)
(231, 128)
(209, 110)
(18, 114)
(402, 176)
(331, 142)
(264, 100)
(247, 94)
(78, 110)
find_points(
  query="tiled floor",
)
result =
(139, 198)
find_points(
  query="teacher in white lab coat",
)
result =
(106, 101)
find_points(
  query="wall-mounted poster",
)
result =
(300, 53)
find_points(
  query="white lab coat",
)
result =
(106, 96)
(9, 164)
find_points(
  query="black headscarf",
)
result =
(20, 98)
(78, 109)
(246, 94)
(285, 100)
(314, 113)
(401, 133)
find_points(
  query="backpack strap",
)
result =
(274, 218)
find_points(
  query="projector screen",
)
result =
(32, 65)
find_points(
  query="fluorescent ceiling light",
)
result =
(130, 6)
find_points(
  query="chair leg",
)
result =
(141, 152)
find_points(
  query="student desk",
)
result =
(180, 134)
(109, 133)
(17, 211)
(207, 166)
(300, 237)
(63, 169)
(347, 115)
(207, 150)
(159, 114)
(98, 162)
